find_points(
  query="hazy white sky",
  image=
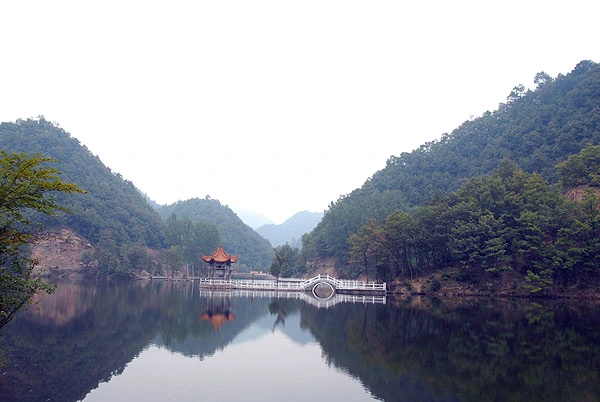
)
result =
(274, 106)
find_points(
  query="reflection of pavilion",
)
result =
(218, 318)
(219, 263)
(218, 311)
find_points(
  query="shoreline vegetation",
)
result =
(506, 204)
(440, 285)
(59, 258)
(443, 284)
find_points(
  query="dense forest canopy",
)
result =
(120, 222)
(113, 206)
(236, 237)
(535, 129)
(113, 214)
(508, 221)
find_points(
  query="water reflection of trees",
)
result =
(112, 325)
(103, 339)
(418, 350)
(279, 312)
(500, 351)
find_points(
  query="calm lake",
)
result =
(163, 341)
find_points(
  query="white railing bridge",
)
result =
(296, 284)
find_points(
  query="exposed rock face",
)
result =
(60, 250)
(580, 192)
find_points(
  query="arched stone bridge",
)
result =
(323, 286)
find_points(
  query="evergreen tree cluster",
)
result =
(288, 262)
(439, 195)
(507, 221)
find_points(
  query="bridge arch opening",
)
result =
(323, 290)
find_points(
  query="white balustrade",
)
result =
(294, 284)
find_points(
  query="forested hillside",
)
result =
(113, 215)
(118, 220)
(536, 129)
(485, 200)
(236, 237)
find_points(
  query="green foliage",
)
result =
(435, 284)
(581, 169)
(401, 238)
(218, 222)
(472, 200)
(116, 218)
(174, 259)
(535, 129)
(277, 266)
(509, 220)
(288, 262)
(368, 250)
(112, 215)
(538, 282)
(191, 240)
(26, 184)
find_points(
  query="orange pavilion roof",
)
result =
(220, 256)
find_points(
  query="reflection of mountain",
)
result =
(484, 351)
(201, 338)
(68, 302)
(119, 320)
(102, 340)
(252, 322)
(417, 352)
(291, 329)
(294, 331)
(352, 340)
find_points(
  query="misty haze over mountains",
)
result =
(289, 232)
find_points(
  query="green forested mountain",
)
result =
(112, 206)
(535, 129)
(118, 219)
(113, 215)
(237, 238)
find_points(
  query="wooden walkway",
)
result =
(295, 284)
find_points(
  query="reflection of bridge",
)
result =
(322, 286)
(307, 297)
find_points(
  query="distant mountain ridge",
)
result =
(291, 230)
(252, 219)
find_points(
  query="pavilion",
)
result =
(219, 263)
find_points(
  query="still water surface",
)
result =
(162, 341)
